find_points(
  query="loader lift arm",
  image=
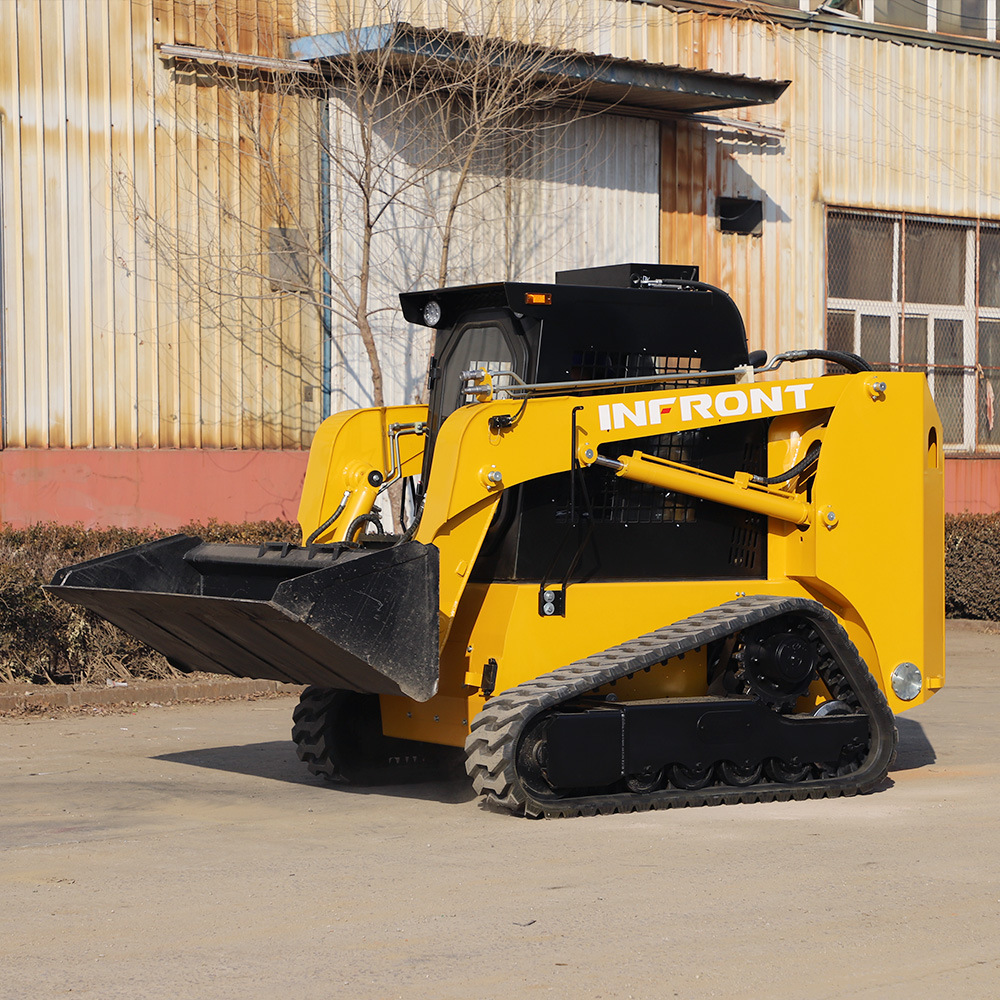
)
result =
(737, 491)
(478, 455)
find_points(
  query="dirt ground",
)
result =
(184, 852)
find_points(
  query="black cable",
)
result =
(408, 486)
(415, 523)
(361, 519)
(326, 524)
(811, 457)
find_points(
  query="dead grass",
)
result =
(44, 640)
(972, 566)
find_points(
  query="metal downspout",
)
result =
(327, 238)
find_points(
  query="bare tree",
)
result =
(382, 165)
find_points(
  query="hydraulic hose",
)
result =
(782, 477)
(371, 518)
(854, 363)
(415, 523)
(333, 517)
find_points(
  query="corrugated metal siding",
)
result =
(866, 123)
(594, 200)
(585, 194)
(105, 346)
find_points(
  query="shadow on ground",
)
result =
(915, 749)
(277, 760)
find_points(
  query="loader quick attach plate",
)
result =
(337, 617)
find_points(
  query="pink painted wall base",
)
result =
(148, 488)
(168, 488)
(972, 484)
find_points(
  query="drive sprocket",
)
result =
(777, 662)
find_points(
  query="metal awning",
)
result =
(625, 84)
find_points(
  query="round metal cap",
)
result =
(906, 681)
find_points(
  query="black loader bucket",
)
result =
(335, 616)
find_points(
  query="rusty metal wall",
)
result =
(106, 347)
(130, 318)
(866, 123)
(107, 149)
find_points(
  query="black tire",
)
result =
(338, 736)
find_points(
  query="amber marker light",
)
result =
(538, 298)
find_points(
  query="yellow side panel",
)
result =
(441, 720)
(878, 537)
(872, 552)
(346, 442)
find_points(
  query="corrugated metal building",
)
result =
(157, 367)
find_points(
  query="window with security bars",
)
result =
(911, 293)
(975, 18)
(591, 364)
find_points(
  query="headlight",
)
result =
(906, 681)
(432, 313)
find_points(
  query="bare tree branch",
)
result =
(417, 135)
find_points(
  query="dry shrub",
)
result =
(249, 533)
(44, 639)
(972, 566)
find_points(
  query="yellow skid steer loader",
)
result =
(633, 566)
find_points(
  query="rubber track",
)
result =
(491, 746)
(309, 735)
(366, 757)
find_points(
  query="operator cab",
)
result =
(613, 322)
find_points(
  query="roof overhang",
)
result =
(624, 84)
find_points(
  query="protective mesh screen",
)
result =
(622, 501)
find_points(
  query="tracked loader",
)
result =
(632, 566)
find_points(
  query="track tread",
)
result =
(495, 733)
(308, 722)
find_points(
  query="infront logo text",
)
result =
(732, 403)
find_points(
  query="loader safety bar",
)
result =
(396, 431)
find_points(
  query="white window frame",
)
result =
(969, 313)
(867, 8)
(932, 18)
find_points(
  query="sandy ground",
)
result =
(185, 853)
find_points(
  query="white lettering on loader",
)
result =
(731, 403)
(759, 399)
(636, 417)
